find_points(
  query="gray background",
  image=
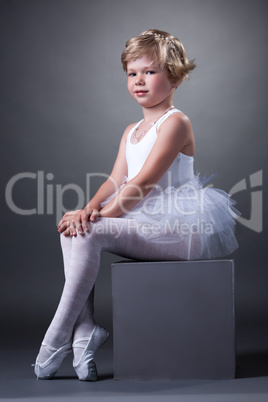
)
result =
(64, 106)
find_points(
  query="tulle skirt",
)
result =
(199, 220)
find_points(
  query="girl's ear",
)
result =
(177, 83)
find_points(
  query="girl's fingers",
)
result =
(79, 228)
(84, 219)
(94, 215)
(63, 226)
(67, 216)
(66, 232)
(73, 228)
(64, 220)
(75, 221)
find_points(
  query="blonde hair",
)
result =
(162, 47)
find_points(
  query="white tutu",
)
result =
(193, 216)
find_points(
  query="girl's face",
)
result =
(148, 84)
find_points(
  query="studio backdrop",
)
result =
(64, 107)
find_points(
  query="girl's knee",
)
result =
(65, 239)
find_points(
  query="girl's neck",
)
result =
(154, 113)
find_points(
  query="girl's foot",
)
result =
(85, 368)
(48, 369)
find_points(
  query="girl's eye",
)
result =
(150, 72)
(131, 74)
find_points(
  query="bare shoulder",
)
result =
(177, 122)
(178, 127)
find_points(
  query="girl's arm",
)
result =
(175, 135)
(79, 219)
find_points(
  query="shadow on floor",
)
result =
(252, 365)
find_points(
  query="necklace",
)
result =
(134, 135)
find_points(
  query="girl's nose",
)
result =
(139, 79)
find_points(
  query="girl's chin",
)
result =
(145, 102)
(148, 105)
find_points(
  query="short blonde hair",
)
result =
(162, 47)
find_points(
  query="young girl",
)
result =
(152, 207)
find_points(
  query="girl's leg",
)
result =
(85, 322)
(81, 273)
(117, 235)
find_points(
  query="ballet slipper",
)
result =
(48, 369)
(86, 369)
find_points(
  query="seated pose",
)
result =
(152, 206)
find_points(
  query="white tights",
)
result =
(74, 317)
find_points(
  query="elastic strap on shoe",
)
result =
(75, 344)
(50, 348)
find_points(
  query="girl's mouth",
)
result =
(140, 93)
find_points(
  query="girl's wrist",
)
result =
(91, 207)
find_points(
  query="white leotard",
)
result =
(179, 173)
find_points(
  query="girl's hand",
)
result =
(77, 221)
(65, 222)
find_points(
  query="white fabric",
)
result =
(179, 173)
